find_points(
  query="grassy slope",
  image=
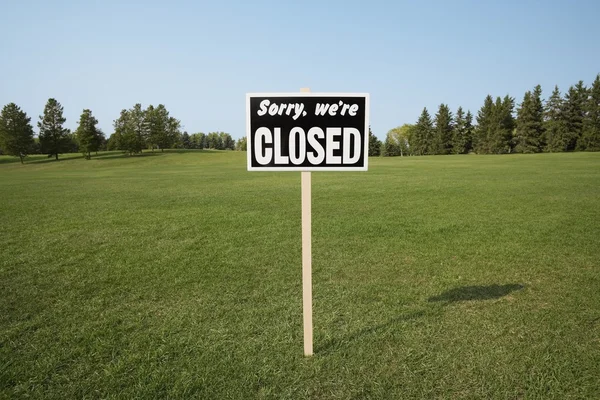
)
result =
(178, 275)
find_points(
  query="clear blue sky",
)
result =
(199, 58)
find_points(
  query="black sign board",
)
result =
(307, 131)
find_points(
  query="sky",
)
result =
(200, 58)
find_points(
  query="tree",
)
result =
(529, 133)
(163, 130)
(126, 137)
(185, 141)
(442, 139)
(555, 129)
(153, 126)
(423, 134)
(53, 137)
(462, 132)
(241, 144)
(227, 141)
(87, 134)
(503, 126)
(574, 114)
(138, 126)
(397, 141)
(590, 139)
(485, 126)
(214, 141)
(114, 142)
(374, 144)
(198, 140)
(16, 132)
(469, 131)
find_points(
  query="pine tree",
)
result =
(16, 132)
(485, 126)
(574, 113)
(185, 141)
(529, 134)
(127, 138)
(374, 144)
(469, 131)
(53, 137)
(458, 133)
(88, 136)
(423, 134)
(503, 124)
(555, 130)
(442, 140)
(590, 139)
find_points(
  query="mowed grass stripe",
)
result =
(178, 275)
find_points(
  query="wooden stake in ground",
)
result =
(307, 258)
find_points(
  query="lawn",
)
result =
(178, 275)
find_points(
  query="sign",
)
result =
(307, 131)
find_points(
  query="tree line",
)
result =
(136, 129)
(561, 123)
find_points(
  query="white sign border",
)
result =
(314, 169)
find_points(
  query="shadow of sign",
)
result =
(469, 293)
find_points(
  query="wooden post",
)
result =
(307, 258)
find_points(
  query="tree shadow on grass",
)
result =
(469, 293)
(334, 343)
(46, 160)
(120, 155)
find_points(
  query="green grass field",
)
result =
(178, 275)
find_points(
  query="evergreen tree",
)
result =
(469, 131)
(485, 126)
(72, 145)
(87, 134)
(574, 113)
(185, 141)
(423, 134)
(127, 138)
(555, 129)
(530, 123)
(16, 132)
(53, 137)
(442, 139)
(590, 139)
(503, 125)
(458, 133)
(374, 144)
